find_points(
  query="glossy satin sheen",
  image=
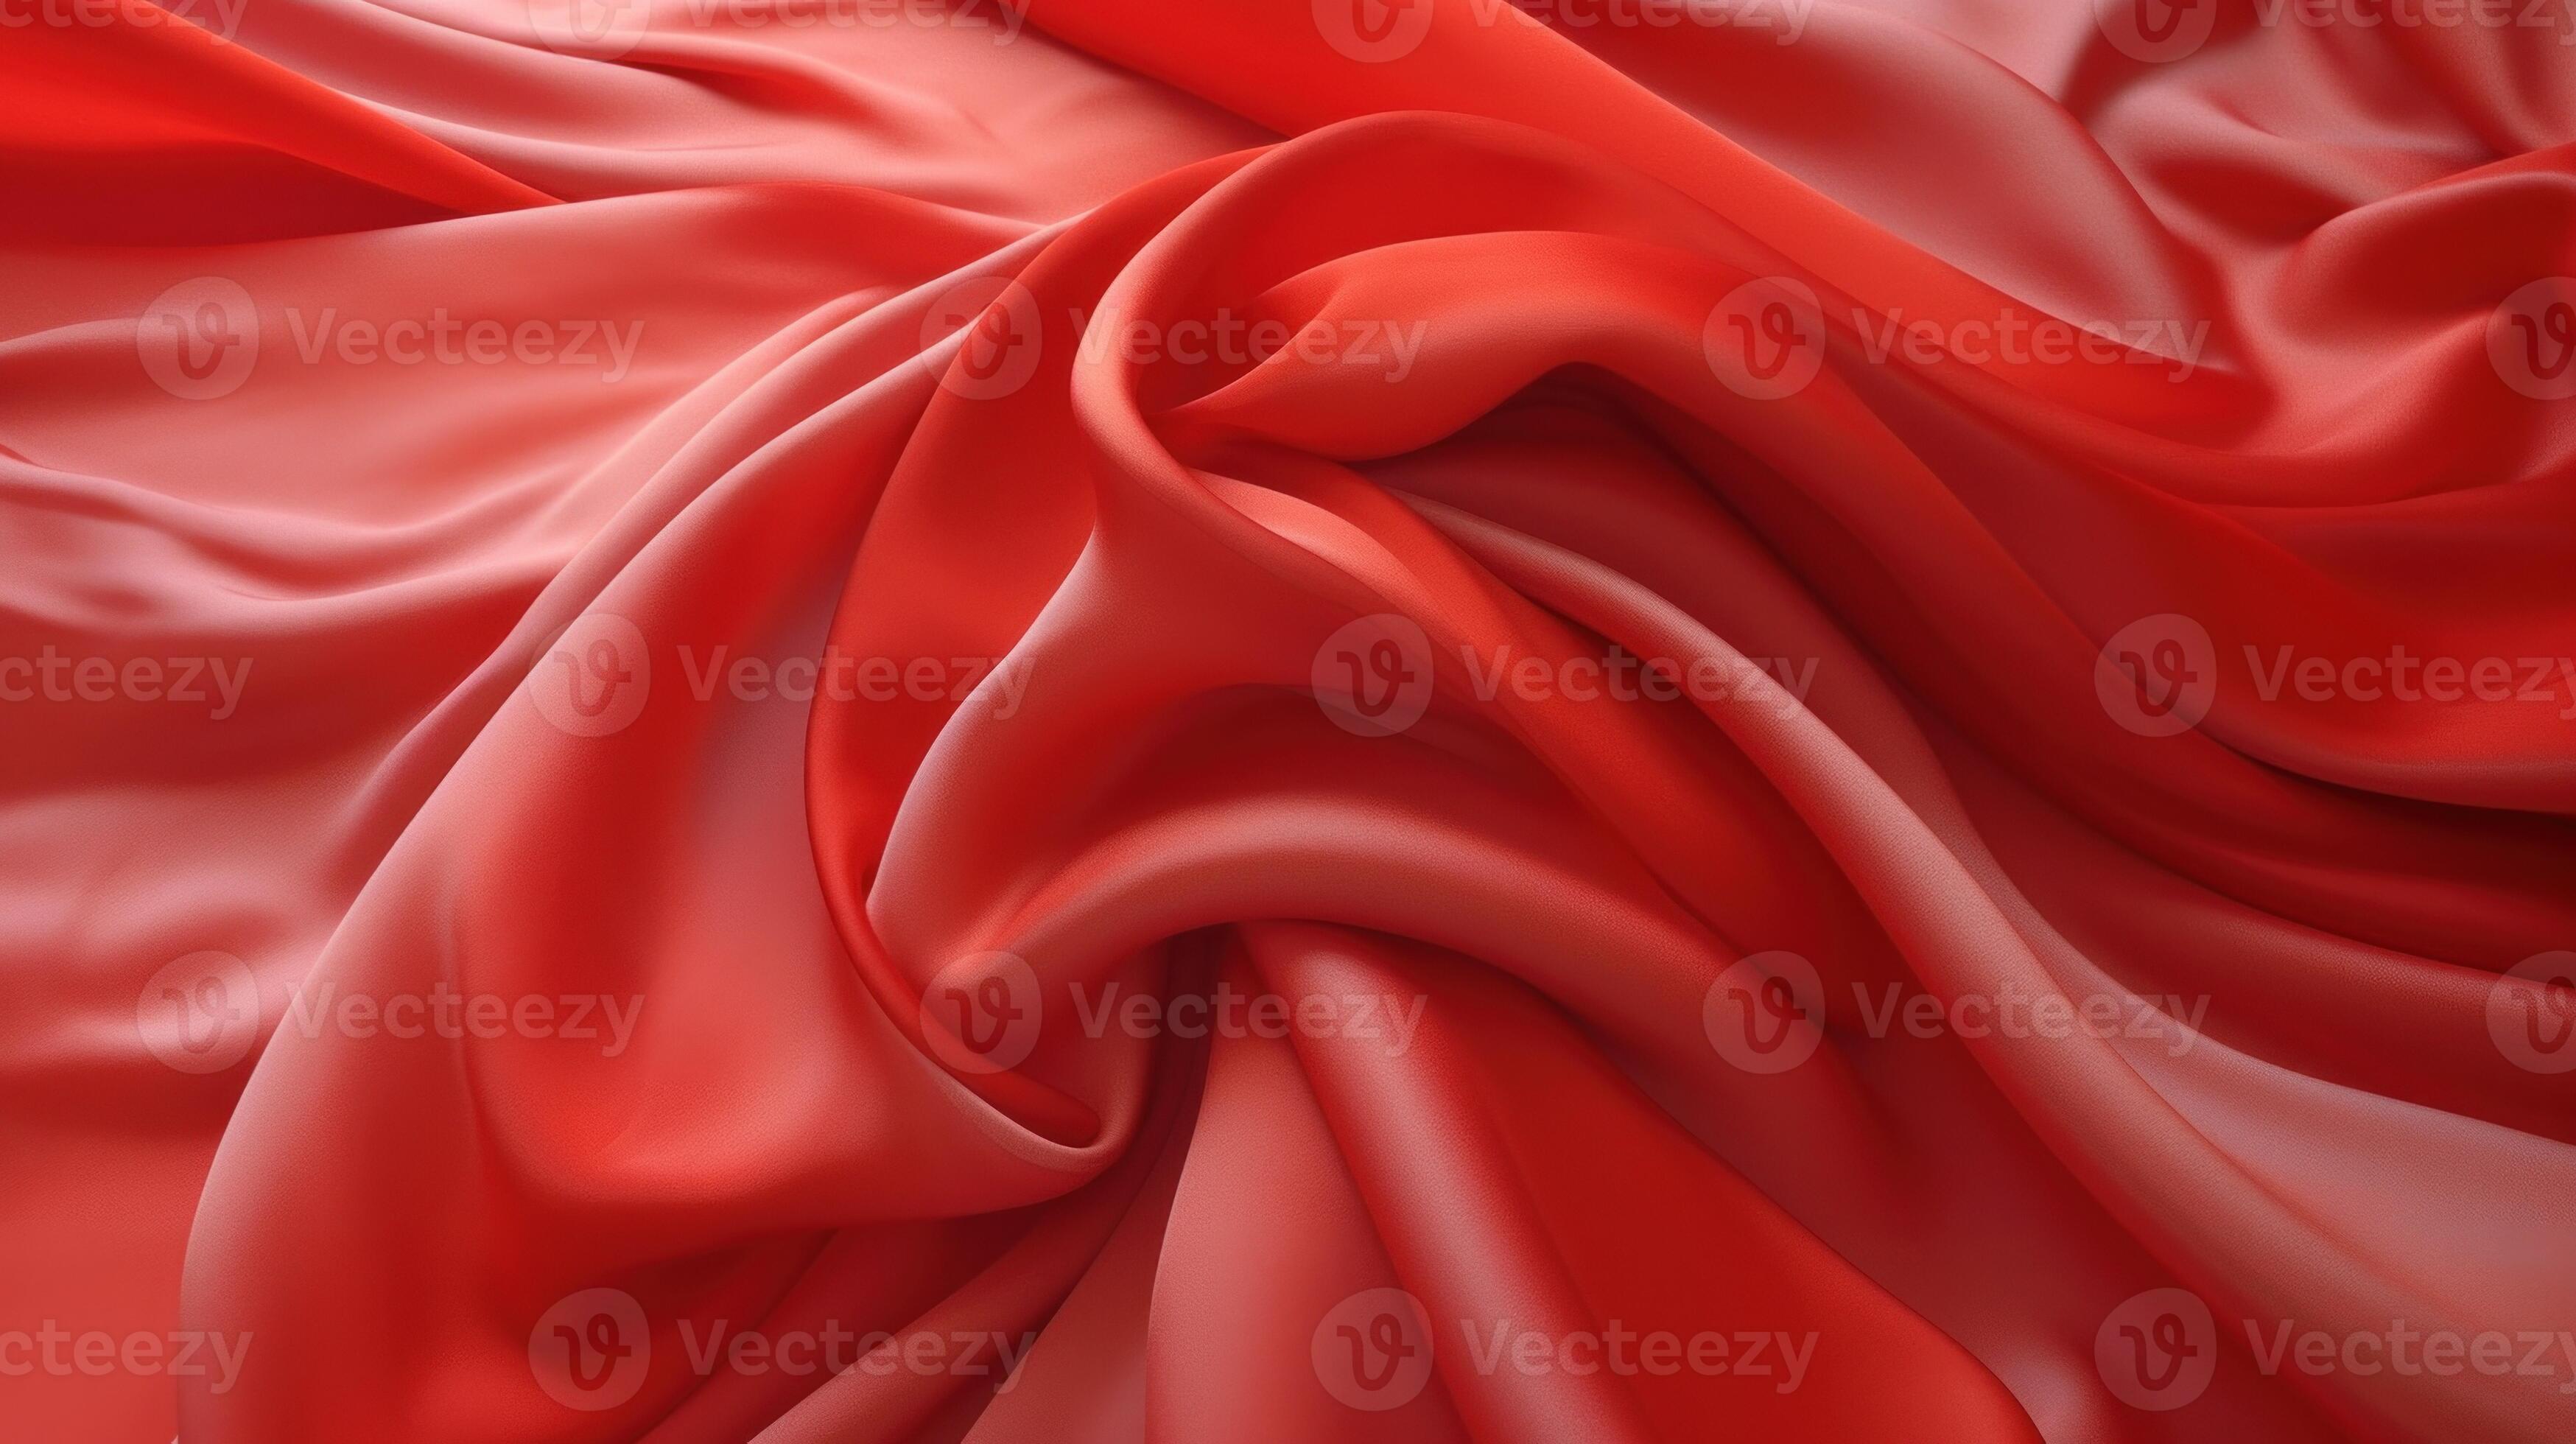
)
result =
(814, 425)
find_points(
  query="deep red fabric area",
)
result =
(1111, 720)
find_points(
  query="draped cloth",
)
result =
(1126, 719)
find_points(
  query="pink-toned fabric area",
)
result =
(742, 519)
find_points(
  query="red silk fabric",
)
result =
(1320, 722)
